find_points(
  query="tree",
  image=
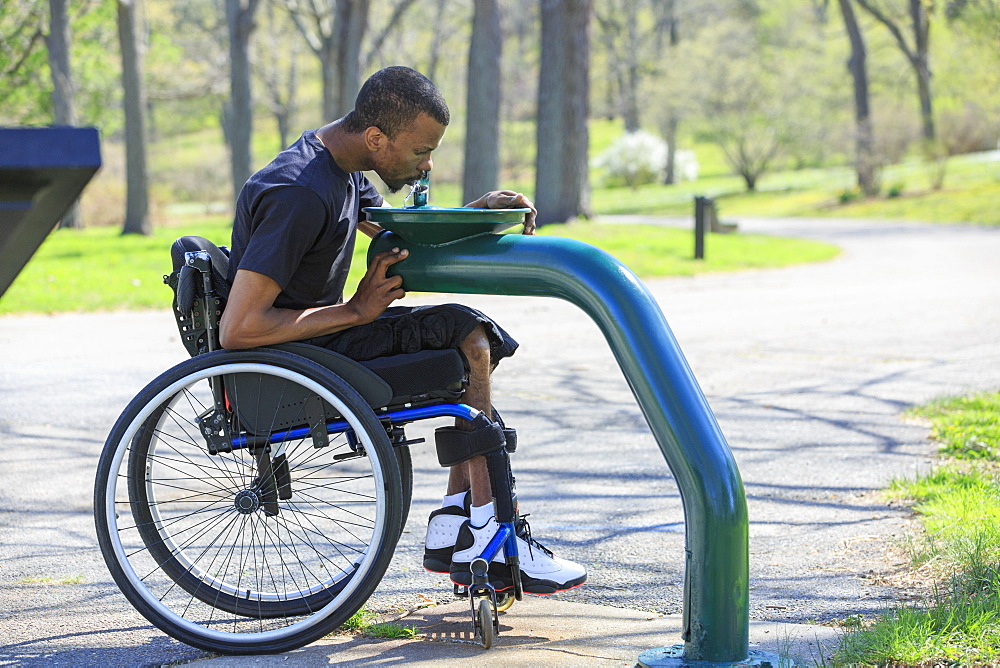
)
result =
(619, 24)
(672, 120)
(239, 111)
(562, 189)
(133, 56)
(63, 110)
(864, 137)
(482, 133)
(917, 54)
(981, 17)
(335, 33)
(632, 33)
(22, 62)
(280, 76)
(738, 89)
(435, 48)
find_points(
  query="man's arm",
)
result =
(252, 320)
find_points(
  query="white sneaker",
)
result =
(541, 571)
(442, 532)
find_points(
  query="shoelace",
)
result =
(524, 533)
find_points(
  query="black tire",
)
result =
(280, 572)
(404, 462)
(486, 628)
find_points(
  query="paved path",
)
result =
(807, 369)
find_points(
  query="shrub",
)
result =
(638, 158)
(685, 166)
(848, 195)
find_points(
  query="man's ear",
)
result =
(375, 139)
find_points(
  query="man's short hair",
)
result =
(391, 100)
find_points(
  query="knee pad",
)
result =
(455, 446)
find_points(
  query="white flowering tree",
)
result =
(638, 158)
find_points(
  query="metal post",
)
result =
(716, 604)
(700, 211)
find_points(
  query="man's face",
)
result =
(399, 161)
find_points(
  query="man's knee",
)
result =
(476, 347)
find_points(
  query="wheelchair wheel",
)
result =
(404, 461)
(267, 547)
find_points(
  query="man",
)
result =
(293, 237)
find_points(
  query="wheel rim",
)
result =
(181, 515)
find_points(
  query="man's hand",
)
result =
(376, 291)
(508, 199)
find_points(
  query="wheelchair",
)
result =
(250, 501)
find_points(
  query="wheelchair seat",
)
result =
(201, 287)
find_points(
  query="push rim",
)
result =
(362, 567)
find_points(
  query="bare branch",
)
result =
(892, 27)
(397, 14)
(314, 41)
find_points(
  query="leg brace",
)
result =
(492, 440)
(455, 446)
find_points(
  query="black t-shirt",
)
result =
(295, 222)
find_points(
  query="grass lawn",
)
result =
(959, 505)
(97, 269)
(971, 194)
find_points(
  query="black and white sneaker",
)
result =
(442, 532)
(541, 571)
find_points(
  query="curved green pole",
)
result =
(716, 604)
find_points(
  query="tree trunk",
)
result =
(670, 177)
(630, 88)
(918, 56)
(864, 139)
(331, 79)
(137, 183)
(482, 124)
(351, 24)
(562, 189)
(921, 66)
(669, 23)
(435, 57)
(240, 23)
(64, 111)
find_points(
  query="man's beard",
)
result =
(395, 185)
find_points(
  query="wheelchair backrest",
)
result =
(201, 288)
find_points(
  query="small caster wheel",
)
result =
(486, 622)
(461, 591)
(504, 601)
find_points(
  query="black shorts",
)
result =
(410, 329)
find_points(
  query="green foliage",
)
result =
(363, 621)
(25, 88)
(26, 84)
(848, 195)
(360, 620)
(966, 427)
(959, 504)
(97, 269)
(952, 632)
(389, 630)
(971, 193)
